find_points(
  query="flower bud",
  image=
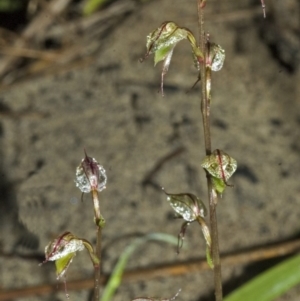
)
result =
(191, 209)
(215, 56)
(187, 205)
(62, 250)
(220, 165)
(162, 42)
(90, 175)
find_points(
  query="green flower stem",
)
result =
(213, 197)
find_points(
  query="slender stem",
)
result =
(204, 105)
(213, 197)
(99, 222)
(98, 267)
(96, 206)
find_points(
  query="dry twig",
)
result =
(167, 270)
(37, 27)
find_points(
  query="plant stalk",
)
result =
(98, 267)
(213, 197)
(98, 219)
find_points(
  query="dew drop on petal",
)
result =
(182, 208)
(88, 178)
(64, 248)
(102, 178)
(220, 165)
(218, 59)
(82, 181)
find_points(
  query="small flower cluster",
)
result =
(90, 178)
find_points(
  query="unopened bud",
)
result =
(90, 175)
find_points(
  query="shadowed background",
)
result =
(112, 107)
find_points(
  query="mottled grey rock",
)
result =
(114, 110)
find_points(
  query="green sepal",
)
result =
(218, 184)
(63, 263)
(161, 53)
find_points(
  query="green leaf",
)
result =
(92, 6)
(270, 284)
(116, 276)
(11, 5)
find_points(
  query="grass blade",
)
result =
(116, 276)
(271, 283)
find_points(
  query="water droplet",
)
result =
(218, 59)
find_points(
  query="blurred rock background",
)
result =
(70, 82)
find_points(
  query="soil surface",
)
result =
(113, 109)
